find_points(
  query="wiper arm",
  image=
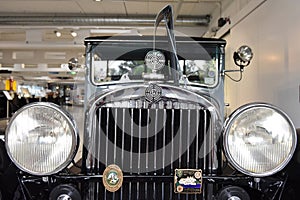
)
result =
(167, 14)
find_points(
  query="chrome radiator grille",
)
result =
(148, 145)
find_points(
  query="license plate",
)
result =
(188, 181)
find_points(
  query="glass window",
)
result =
(109, 61)
(201, 71)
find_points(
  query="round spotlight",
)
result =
(245, 53)
(243, 56)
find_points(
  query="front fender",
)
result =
(293, 172)
(293, 168)
(8, 176)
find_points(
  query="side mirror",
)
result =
(242, 58)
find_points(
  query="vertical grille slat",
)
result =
(115, 135)
(180, 138)
(107, 136)
(188, 138)
(197, 140)
(123, 137)
(147, 140)
(172, 143)
(155, 138)
(204, 144)
(131, 141)
(141, 141)
(164, 141)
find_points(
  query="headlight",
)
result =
(41, 139)
(259, 139)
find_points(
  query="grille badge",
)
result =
(112, 178)
(188, 181)
(153, 93)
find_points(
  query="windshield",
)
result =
(109, 61)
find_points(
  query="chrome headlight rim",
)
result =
(228, 123)
(68, 117)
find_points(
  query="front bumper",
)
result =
(90, 187)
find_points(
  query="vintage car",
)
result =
(155, 128)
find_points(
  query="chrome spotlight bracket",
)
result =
(242, 58)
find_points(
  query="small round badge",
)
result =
(198, 174)
(112, 178)
(179, 188)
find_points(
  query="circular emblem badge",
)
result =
(179, 188)
(198, 174)
(112, 178)
(153, 93)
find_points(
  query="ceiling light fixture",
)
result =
(73, 33)
(57, 33)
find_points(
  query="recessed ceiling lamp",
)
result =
(98, 0)
(57, 33)
(73, 33)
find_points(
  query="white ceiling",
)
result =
(27, 26)
(106, 7)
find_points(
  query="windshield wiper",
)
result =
(167, 14)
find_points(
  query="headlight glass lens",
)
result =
(41, 139)
(259, 139)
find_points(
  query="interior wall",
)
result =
(273, 32)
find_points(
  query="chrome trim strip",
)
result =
(122, 41)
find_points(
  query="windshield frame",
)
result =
(110, 47)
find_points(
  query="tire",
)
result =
(232, 192)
